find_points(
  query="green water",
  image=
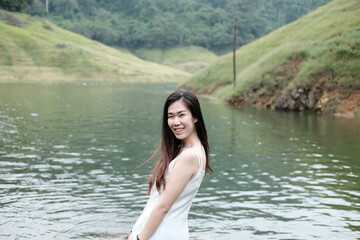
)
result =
(69, 157)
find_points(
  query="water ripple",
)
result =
(70, 168)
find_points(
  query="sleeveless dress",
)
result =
(174, 225)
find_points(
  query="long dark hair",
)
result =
(169, 146)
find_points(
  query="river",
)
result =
(70, 157)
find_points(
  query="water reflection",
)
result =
(70, 155)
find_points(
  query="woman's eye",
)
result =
(182, 115)
(170, 116)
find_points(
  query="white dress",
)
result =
(174, 225)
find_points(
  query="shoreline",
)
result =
(335, 103)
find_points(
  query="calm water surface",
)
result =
(70, 156)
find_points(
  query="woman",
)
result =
(176, 177)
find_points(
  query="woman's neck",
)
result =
(191, 142)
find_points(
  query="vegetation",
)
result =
(139, 24)
(320, 51)
(16, 5)
(189, 59)
(33, 49)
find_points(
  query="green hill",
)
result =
(32, 49)
(311, 64)
(190, 59)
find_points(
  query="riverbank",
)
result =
(312, 64)
(315, 98)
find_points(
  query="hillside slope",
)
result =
(311, 64)
(35, 50)
(189, 59)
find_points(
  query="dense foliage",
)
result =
(165, 23)
(15, 5)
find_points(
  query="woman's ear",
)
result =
(195, 120)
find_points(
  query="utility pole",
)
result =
(47, 6)
(234, 53)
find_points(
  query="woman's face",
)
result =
(180, 120)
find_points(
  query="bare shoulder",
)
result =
(188, 157)
(187, 164)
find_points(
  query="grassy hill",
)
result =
(35, 50)
(190, 59)
(310, 64)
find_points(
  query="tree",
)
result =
(166, 23)
(220, 36)
(66, 8)
(87, 7)
(37, 8)
(15, 5)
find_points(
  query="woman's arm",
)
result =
(184, 169)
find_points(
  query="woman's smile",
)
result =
(178, 130)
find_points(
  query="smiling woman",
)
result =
(180, 120)
(177, 175)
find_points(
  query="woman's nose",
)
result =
(177, 121)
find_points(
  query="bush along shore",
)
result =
(312, 64)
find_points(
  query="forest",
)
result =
(135, 24)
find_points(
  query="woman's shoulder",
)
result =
(189, 155)
(190, 152)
